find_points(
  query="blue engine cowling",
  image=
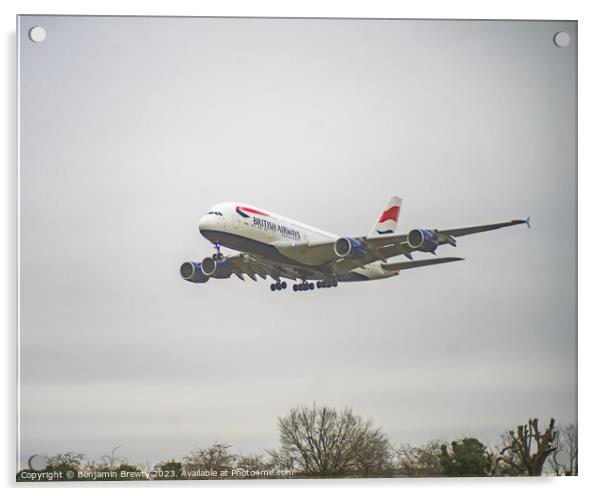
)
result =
(349, 248)
(192, 272)
(203, 271)
(220, 269)
(423, 240)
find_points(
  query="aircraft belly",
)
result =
(307, 255)
(254, 247)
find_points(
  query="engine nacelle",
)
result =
(423, 240)
(220, 269)
(192, 272)
(349, 248)
(203, 271)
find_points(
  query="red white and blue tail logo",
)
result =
(387, 220)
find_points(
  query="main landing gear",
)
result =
(304, 286)
(328, 283)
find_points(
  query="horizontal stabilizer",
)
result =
(419, 263)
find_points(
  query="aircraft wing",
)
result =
(324, 253)
(252, 267)
(463, 231)
(443, 234)
(379, 248)
(385, 247)
(385, 240)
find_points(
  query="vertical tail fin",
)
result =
(387, 220)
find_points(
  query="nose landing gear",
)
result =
(219, 255)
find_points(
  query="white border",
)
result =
(589, 160)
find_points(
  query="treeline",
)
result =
(319, 441)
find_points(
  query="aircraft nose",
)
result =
(205, 222)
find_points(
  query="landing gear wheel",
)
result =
(329, 282)
(277, 286)
(311, 285)
(295, 287)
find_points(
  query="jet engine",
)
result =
(192, 272)
(349, 248)
(220, 269)
(423, 240)
(209, 267)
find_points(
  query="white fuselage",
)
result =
(246, 228)
(260, 225)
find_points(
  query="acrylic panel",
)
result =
(261, 248)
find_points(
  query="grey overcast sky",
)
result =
(131, 128)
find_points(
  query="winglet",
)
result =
(526, 221)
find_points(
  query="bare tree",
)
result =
(252, 462)
(512, 464)
(254, 465)
(282, 460)
(112, 460)
(419, 461)
(216, 457)
(147, 466)
(564, 460)
(324, 441)
(376, 456)
(526, 450)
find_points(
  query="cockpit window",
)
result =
(215, 213)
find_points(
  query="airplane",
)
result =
(275, 246)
